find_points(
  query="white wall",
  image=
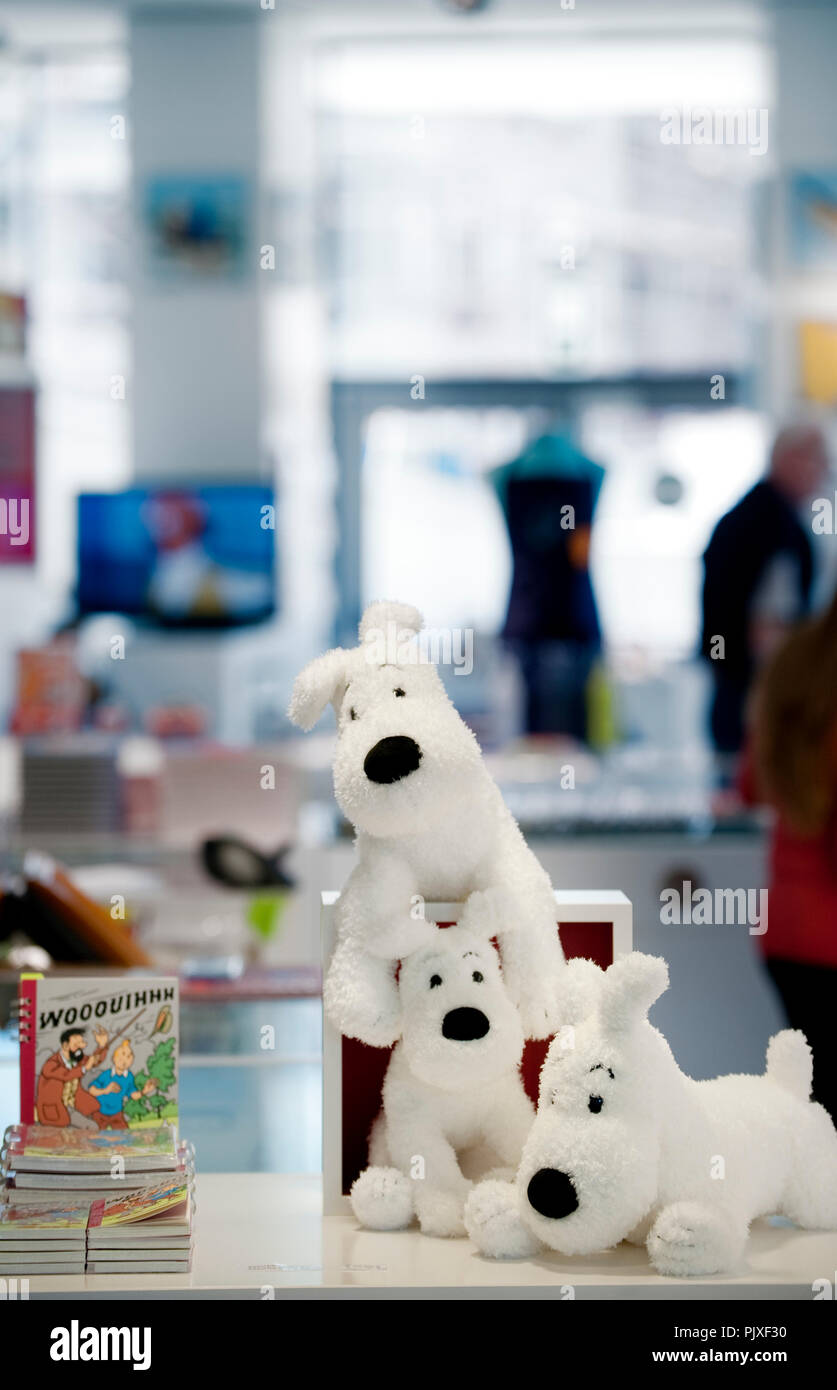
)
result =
(802, 126)
(196, 378)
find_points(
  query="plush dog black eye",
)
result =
(477, 977)
(353, 713)
(595, 1104)
(435, 980)
(399, 692)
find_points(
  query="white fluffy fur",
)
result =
(683, 1166)
(453, 1108)
(440, 833)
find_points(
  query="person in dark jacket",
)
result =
(758, 576)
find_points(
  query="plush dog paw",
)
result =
(688, 1239)
(538, 1016)
(532, 965)
(382, 1199)
(440, 1213)
(493, 1222)
(376, 1025)
(400, 937)
(360, 998)
(486, 912)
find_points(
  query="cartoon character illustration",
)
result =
(59, 1091)
(116, 1084)
(187, 581)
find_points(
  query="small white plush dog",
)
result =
(625, 1146)
(431, 826)
(454, 1106)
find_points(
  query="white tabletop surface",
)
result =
(261, 1236)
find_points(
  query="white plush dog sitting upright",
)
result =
(431, 824)
(625, 1146)
(453, 1098)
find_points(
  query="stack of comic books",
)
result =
(101, 1201)
(42, 1240)
(149, 1232)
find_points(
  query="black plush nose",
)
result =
(552, 1193)
(465, 1025)
(391, 759)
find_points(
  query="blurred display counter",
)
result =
(557, 788)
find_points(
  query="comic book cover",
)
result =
(151, 1202)
(41, 1148)
(35, 1222)
(133, 1169)
(169, 1202)
(98, 1054)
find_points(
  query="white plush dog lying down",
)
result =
(431, 824)
(625, 1146)
(453, 1097)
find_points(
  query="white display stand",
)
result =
(262, 1236)
(606, 906)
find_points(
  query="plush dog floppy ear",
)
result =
(580, 988)
(630, 987)
(480, 915)
(384, 628)
(321, 682)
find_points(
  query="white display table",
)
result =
(260, 1236)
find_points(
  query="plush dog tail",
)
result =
(790, 1062)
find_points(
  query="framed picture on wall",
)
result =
(197, 226)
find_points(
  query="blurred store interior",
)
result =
(283, 288)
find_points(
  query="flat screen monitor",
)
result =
(192, 556)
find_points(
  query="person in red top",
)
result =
(791, 763)
(59, 1084)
